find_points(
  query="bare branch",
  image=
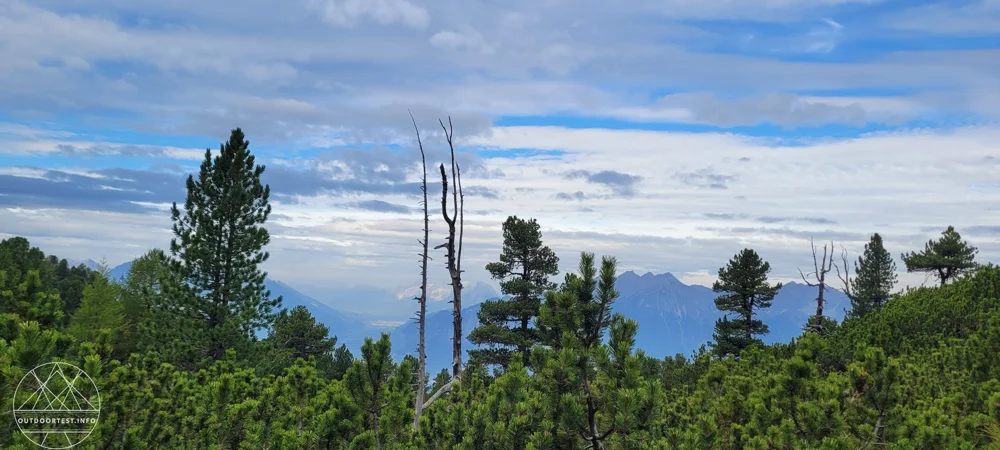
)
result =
(821, 267)
(461, 215)
(441, 391)
(804, 280)
(845, 278)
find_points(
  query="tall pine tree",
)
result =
(745, 290)
(875, 277)
(946, 258)
(219, 245)
(523, 270)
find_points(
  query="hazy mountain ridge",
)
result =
(673, 317)
(350, 329)
(395, 304)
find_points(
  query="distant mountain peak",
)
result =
(89, 263)
(632, 275)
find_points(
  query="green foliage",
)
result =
(101, 309)
(744, 288)
(32, 300)
(142, 298)
(383, 391)
(594, 393)
(919, 372)
(295, 335)
(18, 259)
(342, 360)
(523, 270)
(946, 258)
(875, 276)
(70, 282)
(219, 241)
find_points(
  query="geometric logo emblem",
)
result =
(56, 405)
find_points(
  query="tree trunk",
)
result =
(454, 246)
(422, 312)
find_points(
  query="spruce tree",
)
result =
(219, 242)
(523, 270)
(745, 290)
(946, 258)
(101, 309)
(875, 277)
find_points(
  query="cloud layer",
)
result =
(668, 133)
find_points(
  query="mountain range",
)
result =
(673, 317)
(385, 303)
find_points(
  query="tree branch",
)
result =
(441, 391)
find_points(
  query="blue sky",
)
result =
(670, 133)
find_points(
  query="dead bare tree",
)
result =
(845, 277)
(453, 246)
(821, 267)
(422, 299)
(453, 251)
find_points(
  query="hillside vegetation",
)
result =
(921, 373)
(192, 351)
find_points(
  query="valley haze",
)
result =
(674, 318)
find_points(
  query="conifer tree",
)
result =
(342, 360)
(101, 309)
(296, 334)
(745, 290)
(875, 276)
(69, 282)
(142, 294)
(596, 391)
(523, 270)
(18, 257)
(368, 383)
(946, 258)
(219, 242)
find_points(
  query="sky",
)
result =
(667, 133)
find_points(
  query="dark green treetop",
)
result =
(219, 245)
(875, 276)
(946, 258)
(745, 290)
(296, 334)
(523, 270)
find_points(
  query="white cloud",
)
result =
(970, 18)
(896, 184)
(294, 82)
(465, 39)
(510, 58)
(347, 13)
(42, 146)
(772, 10)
